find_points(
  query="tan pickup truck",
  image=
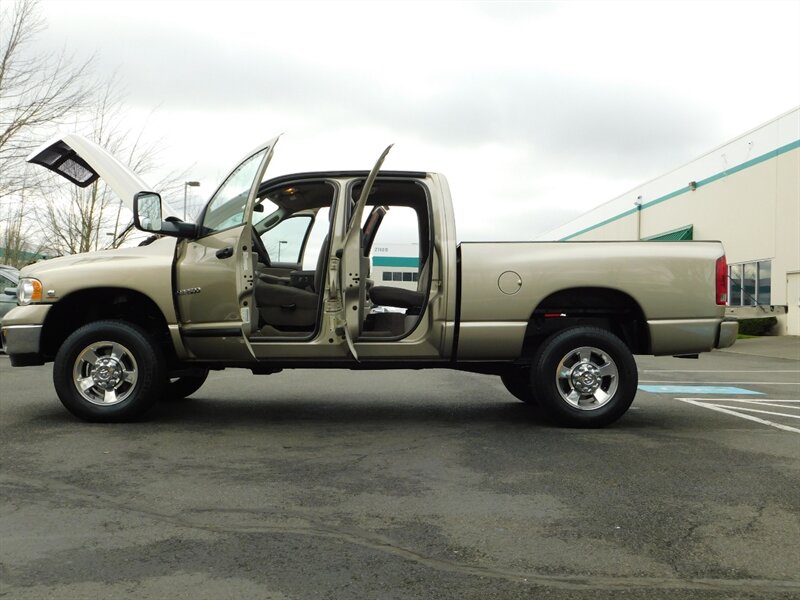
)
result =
(280, 274)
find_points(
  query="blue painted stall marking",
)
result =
(696, 389)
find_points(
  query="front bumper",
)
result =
(21, 343)
(21, 334)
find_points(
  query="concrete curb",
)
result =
(785, 346)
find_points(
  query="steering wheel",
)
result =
(261, 250)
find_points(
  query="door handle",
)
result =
(225, 253)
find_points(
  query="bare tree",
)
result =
(17, 242)
(37, 91)
(73, 219)
(38, 94)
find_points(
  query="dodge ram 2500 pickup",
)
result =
(276, 274)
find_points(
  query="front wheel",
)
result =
(584, 377)
(109, 371)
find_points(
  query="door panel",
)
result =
(207, 283)
(214, 273)
(353, 281)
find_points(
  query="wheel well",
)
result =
(608, 309)
(86, 306)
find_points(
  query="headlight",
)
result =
(29, 290)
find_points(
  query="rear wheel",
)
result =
(584, 377)
(109, 371)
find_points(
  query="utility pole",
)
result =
(186, 186)
(638, 205)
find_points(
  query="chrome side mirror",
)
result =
(147, 212)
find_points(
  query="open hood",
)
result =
(82, 162)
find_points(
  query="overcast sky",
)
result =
(536, 112)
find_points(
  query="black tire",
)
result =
(122, 367)
(179, 388)
(518, 383)
(584, 377)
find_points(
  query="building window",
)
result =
(735, 285)
(750, 284)
(764, 282)
(749, 276)
(404, 276)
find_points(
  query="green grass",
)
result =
(758, 326)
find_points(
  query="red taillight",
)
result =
(722, 281)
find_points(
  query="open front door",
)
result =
(351, 269)
(214, 273)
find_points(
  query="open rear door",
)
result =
(352, 278)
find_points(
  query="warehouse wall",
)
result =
(745, 193)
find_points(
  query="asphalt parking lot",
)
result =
(430, 484)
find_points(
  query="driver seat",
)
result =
(286, 306)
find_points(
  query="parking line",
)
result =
(766, 402)
(723, 382)
(697, 389)
(718, 371)
(701, 402)
(763, 412)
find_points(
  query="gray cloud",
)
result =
(524, 225)
(558, 118)
(463, 78)
(580, 124)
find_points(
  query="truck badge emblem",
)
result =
(187, 291)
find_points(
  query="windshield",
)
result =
(226, 209)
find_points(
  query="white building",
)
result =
(395, 265)
(745, 193)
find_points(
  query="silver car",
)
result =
(9, 277)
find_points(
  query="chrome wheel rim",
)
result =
(587, 378)
(105, 373)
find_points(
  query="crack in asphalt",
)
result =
(751, 525)
(386, 545)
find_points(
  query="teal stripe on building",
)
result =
(396, 261)
(745, 165)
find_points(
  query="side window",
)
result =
(226, 208)
(305, 209)
(284, 242)
(319, 233)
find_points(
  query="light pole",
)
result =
(279, 248)
(186, 186)
(638, 205)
